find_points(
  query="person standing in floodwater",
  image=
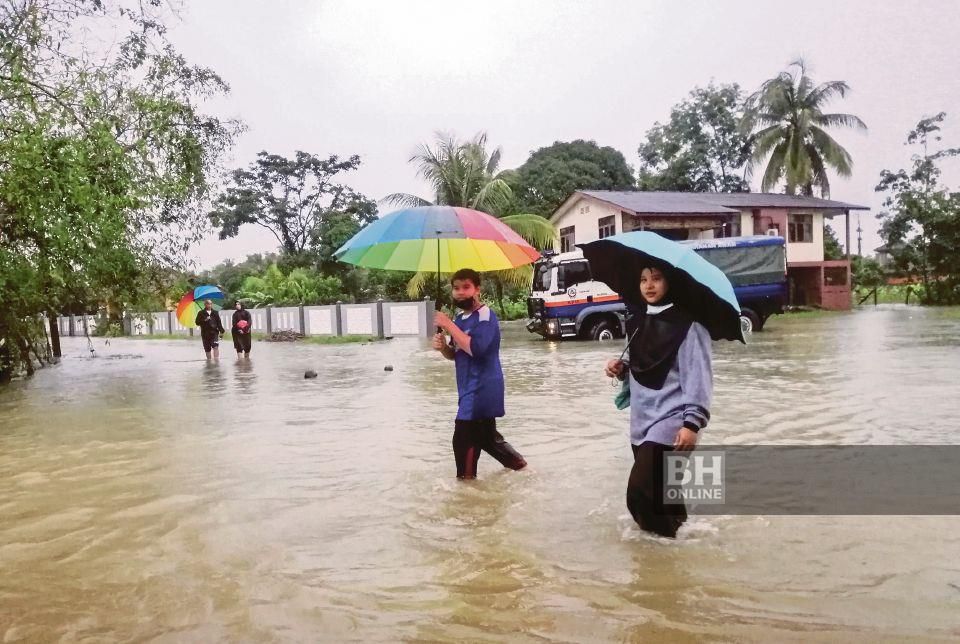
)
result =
(475, 349)
(211, 329)
(671, 384)
(240, 328)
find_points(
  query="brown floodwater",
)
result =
(148, 495)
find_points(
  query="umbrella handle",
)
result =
(437, 305)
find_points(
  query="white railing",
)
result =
(376, 319)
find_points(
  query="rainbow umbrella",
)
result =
(192, 303)
(437, 238)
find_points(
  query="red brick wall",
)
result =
(836, 295)
(804, 286)
(815, 284)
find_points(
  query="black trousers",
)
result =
(645, 492)
(241, 342)
(472, 436)
(210, 341)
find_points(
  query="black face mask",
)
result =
(464, 304)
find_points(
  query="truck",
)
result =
(566, 302)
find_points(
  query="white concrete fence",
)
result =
(376, 319)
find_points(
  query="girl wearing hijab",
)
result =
(240, 330)
(671, 383)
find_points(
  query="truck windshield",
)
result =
(572, 273)
(541, 276)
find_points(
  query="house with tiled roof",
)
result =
(588, 215)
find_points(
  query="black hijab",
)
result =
(241, 314)
(655, 338)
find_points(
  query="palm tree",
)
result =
(465, 174)
(788, 123)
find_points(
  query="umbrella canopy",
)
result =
(437, 238)
(192, 303)
(695, 284)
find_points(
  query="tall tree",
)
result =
(553, 173)
(789, 130)
(701, 148)
(292, 198)
(922, 220)
(465, 174)
(104, 162)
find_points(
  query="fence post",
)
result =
(338, 322)
(72, 326)
(428, 309)
(269, 310)
(303, 321)
(380, 331)
(169, 322)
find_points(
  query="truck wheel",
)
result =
(749, 321)
(603, 330)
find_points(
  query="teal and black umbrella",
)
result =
(698, 286)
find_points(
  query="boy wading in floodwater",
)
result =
(475, 349)
(671, 383)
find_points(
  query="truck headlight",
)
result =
(552, 327)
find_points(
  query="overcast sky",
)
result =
(377, 78)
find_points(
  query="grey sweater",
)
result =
(656, 415)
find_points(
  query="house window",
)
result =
(730, 228)
(607, 226)
(584, 210)
(800, 228)
(567, 239)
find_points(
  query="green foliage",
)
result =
(510, 308)
(831, 245)
(111, 330)
(299, 287)
(866, 272)
(295, 199)
(789, 129)
(921, 225)
(103, 162)
(460, 173)
(553, 173)
(701, 148)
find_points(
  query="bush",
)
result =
(301, 287)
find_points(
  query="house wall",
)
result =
(778, 218)
(587, 229)
(586, 223)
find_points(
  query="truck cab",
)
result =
(566, 302)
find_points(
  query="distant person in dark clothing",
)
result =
(240, 329)
(211, 329)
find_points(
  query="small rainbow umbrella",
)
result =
(192, 303)
(437, 238)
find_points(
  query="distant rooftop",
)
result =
(710, 203)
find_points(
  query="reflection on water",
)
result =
(244, 376)
(213, 382)
(148, 493)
